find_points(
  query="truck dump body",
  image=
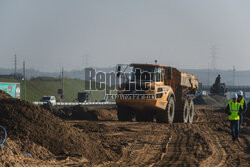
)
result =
(182, 83)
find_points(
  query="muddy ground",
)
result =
(207, 142)
(38, 138)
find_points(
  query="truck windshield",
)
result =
(146, 73)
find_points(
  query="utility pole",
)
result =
(15, 68)
(86, 61)
(90, 85)
(213, 55)
(62, 97)
(234, 75)
(208, 75)
(24, 77)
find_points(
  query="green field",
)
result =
(37, 88)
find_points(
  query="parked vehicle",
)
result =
(83, 97)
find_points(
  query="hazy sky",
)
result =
(49, 34)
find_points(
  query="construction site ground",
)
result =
(104, 142)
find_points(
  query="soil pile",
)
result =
(12, 153)
(3, 94)
(86, 113)
(31, 124)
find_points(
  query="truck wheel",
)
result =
(124, 114)
(167, 116)
(185, 111)
(171, 110)
(182, 112)
(191, 112)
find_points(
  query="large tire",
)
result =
(191, 112)
(124, 114)
(167, 116)
(182, 112)
(185, 111)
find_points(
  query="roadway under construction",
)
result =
(67, 137)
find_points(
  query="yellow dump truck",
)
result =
(156, 92)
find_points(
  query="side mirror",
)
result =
(169, 73)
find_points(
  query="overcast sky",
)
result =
(48, 34)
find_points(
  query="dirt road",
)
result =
(207, 142)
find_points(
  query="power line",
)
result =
(15, 66)
(62, 96)
(208, 75)
(86, 61)
(234, 75)
(213, 56)
(24, 77)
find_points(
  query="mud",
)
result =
(3, 94)
(52, 141)
(85, 113)
(206, 142)
(211, 100)
(31, 125)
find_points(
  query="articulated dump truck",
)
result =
(158, 93)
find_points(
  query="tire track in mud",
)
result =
(225, 152)
(218, 157)
(182, 145)
(145, 150)
(217, 142)
(174, 150)
(204, 143)
(170, 145)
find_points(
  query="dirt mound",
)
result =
(86, 113)
(211, 100)
(3, 94)
(12, 153)
(220, 99)
(30, 123)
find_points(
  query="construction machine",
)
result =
(218, 87)
(153, 92)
